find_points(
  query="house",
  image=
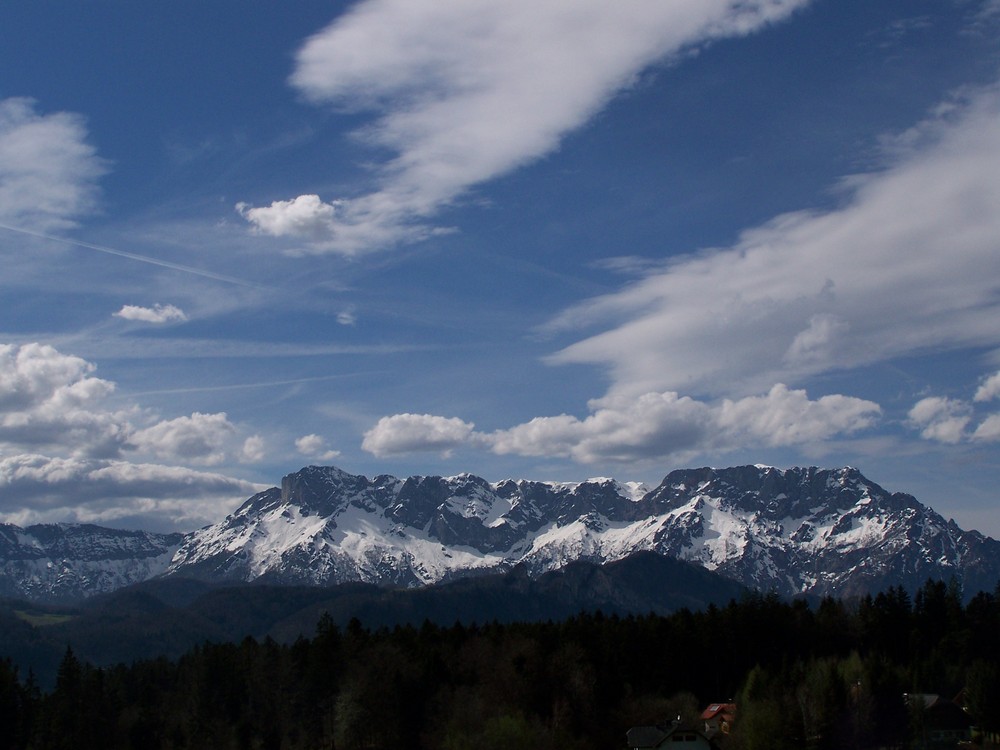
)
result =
(674, 736)
(718, 717)
(937, 722)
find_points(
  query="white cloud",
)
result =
(941, 419)
(253, 450)
(40, 488)
(907, 265)
(949, 420)
(989, 389)
(411, 433)
(464, 92)
(988, 431)
(155, 314)
(48, 172)
(306, 216)
(200, 438)
(990, 9)
(651, 426)
(817, 344)
(64, 448)
(50, 400)
(787, 417)
(314, 446)
(347, 317)
(619, 429)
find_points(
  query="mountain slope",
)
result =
(814, 531)
(65, 562)
(794, 531)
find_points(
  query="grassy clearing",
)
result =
(42, 619)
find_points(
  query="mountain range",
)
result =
(797, 531)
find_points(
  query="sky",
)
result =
(534, 239)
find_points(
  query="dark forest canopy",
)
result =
(822, 677)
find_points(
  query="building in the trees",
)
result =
(937, 722)
(718, 718)
(675, 736)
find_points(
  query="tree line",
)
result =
(825, 676)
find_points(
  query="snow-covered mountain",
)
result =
(63, 562)
(326, 526)
(802, 530)
(794, 531)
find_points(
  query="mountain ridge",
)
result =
(65, 561)
(795, 531)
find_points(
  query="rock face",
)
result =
(816, 531)
(66, 562)
(326, 526)
(792, 531)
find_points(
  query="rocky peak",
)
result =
(797, 530)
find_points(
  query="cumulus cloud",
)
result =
(38, 489)
(314, 446)
(306, 216)
(950, 420)
(941, 419)
(65, 450)
(48, 171)
(786, 417)
(413, 433)
(155, 314)
(49, 399)
(253, 450)
(52, 401)
(464, 92)
(651, 426)
(200, 438)
(906, 265)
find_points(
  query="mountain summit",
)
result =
(793, 531)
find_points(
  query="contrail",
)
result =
(135, 256)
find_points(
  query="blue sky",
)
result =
(533, 239)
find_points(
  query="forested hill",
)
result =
(822, 678)
(169, 616)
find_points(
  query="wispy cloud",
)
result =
(48, 171)
(989, 389)
(131, 256)
(908, 264)
(464, 92)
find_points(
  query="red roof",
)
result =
(722, 710)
